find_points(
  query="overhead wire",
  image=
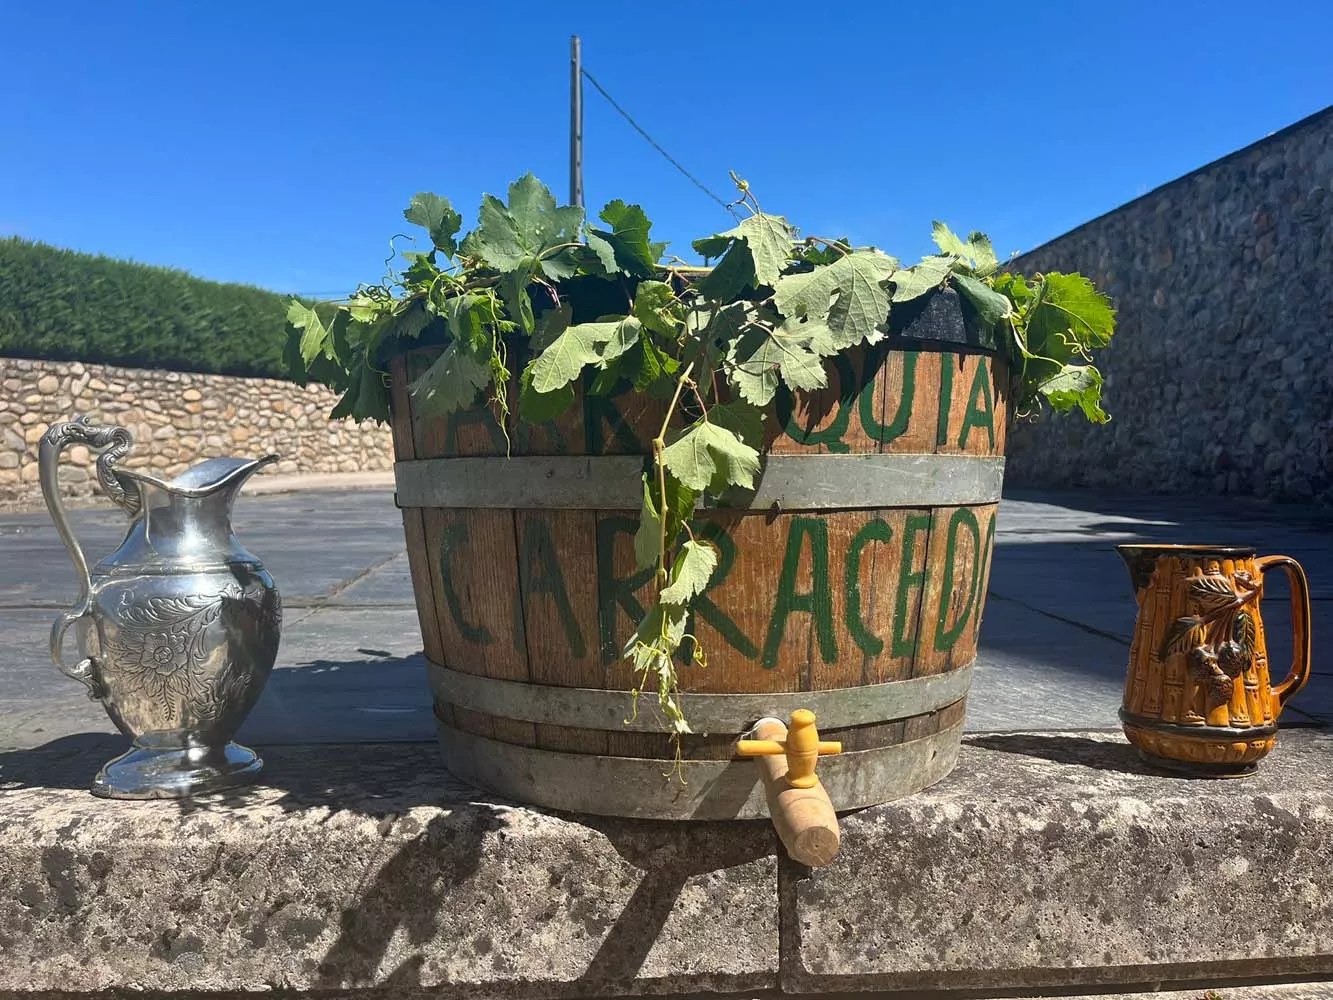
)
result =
(730, 208)
(655, 144)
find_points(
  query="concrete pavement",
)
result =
(1054, 641)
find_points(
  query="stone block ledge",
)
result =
(1048, 862)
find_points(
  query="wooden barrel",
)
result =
(851, 583)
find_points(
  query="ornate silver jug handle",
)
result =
(116, 441)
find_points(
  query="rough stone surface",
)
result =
(165, 411)
(1219, 378)
(1057, 859)
(1220, 991)
(368, 866)
(1046, 861)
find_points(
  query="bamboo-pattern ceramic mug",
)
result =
(1198, 696)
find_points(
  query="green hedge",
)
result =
(65, 306)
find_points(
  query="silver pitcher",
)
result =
(177, 629)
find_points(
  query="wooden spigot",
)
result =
(801, 745)
(797, 802)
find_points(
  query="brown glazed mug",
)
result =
(1198, 697)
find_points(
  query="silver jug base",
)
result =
(176, 773)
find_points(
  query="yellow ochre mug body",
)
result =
(1198, 696)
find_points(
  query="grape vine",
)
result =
(716, 343)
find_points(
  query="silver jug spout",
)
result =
(220, 473)
(186, 521)
(210, 477)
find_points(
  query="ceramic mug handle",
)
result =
(1300, 625)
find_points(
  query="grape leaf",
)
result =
(756, 252)
(662, 623)
(421, 269)
(364, 309)
(367, 395)
(315, 338)
(731, 276)
(976, 255)
(469, 318)
(452, 382)
(624, 335)
(822, 253)
(539, 407)
(359, 336)
(725, 323)
(1016, 289)
(562, 263)
(690, 573)
(654, 364)
(602, 247)
(1070, 317)
(850, 292)
(769, 239)
(577, 346)
(641, 366)
(709, 456)
(981, 253)
(712, 246)
(761, 358)
(530, 226)
(513, 289)
(552, 324)
(1076, 386)
(913, 282)
(625, 247)
(655, 306)
(563, 361)
(496, 239)
(536, 216)
(648, 537)
(610, 381)
(806, 293)
(410, 317)
(947, 240)
(742, 419)
(862, 307)
(754, 366)
(680, 506)
(650, 650)
(437, 217)
(991, 306)
(679, 509)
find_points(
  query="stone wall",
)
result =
(177, 419)
(1220, 376)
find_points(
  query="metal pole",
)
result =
(575, 122)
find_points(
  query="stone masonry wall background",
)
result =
(1220, 376)
(177, 419)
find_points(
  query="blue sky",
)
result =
(276, 143)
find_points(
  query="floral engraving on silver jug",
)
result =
(164, 646)
(177, 629)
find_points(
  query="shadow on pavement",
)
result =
(378, 698)
(67, 762)
(1060, 597)
(1065, 749)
